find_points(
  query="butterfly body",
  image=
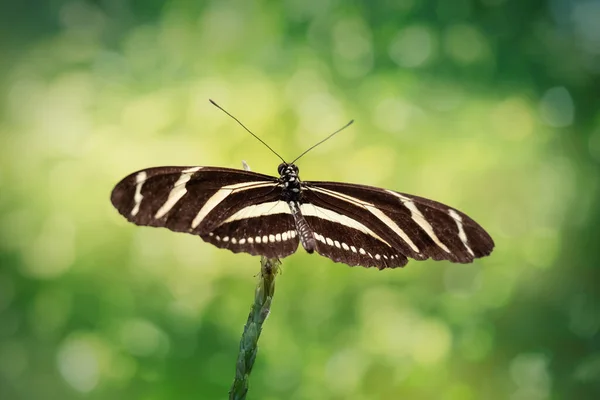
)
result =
(291, 193)
(258, 214)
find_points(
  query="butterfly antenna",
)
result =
(327, 138)
(244, 126)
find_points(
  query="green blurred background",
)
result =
(491, 106)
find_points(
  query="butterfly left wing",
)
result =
(233, 209)
(408, 225)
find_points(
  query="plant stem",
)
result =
(263, 296)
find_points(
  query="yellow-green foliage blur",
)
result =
(491, 106)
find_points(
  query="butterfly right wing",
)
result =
(395, 223)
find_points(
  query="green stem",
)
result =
(259, 311)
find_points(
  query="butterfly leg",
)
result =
(305, 232)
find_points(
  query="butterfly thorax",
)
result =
(290, 182)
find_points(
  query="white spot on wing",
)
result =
(278, 237)
(461, 230)
(140, 178)
(242, 240)
(177, 192)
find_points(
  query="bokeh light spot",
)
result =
(557, 108)
(585, 17)
(143, 338)
(79, 364)
(465, 44)
(530, 372)
(388, 323)
(81, 16)
(476, 343)
(513, 119)
(589, 369)
(122, 368)
(413, 46)
(52, 253)
(50, 311)
(393, 114)
(352, 48)
(344, 371)
(432, 342)
(316, 111)
(222, 27)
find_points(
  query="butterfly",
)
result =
(258, 214)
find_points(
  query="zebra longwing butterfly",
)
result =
(248, 212)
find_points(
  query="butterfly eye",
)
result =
(280, 168)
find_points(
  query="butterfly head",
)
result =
(285, 169)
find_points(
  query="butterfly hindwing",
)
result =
(269, 235)
(344, 239)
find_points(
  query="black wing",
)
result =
(238, 210)
(397, 224)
